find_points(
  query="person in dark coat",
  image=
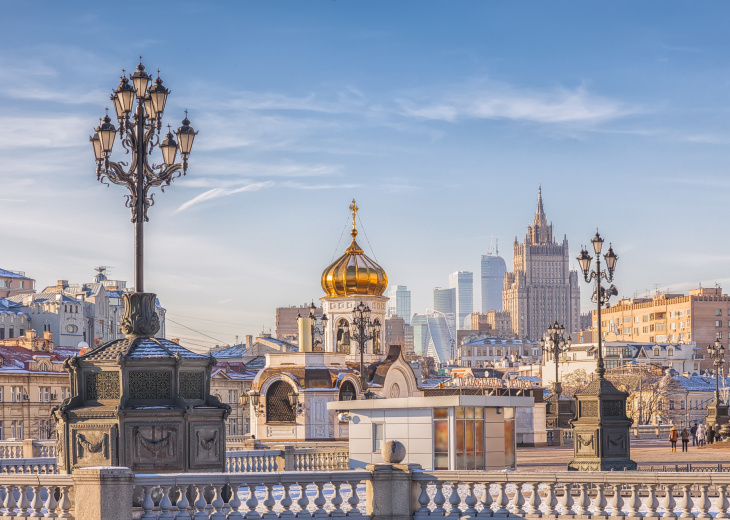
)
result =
(685, 439)
(710, 434)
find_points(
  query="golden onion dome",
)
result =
(354, 273)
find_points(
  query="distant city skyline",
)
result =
(619, 109)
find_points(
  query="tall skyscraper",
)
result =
(463, 282)
(541, 288)
(444, 300)
(400, 302)
(432, 336)
(493, 271)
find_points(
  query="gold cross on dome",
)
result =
(353, 208)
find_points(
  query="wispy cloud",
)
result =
(493, 100)
(216, 193)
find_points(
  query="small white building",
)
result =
(450, 432)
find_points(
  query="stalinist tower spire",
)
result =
(540, 218)
(540, 232)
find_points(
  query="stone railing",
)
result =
(288, 458)
(649, 431)
(40, 465)
(255, 495)
(33, 496)
(27, 449)
(630, 495)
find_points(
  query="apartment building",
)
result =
(700, 317)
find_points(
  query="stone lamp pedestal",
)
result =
(601, 439)
(141, 402)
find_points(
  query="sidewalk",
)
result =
(646, 452)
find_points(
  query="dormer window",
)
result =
(656, 351)
(670, 352)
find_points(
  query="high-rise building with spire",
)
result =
(541, 287)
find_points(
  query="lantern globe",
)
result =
(141, 80)
(611, 259)
(96, 143)
(158, 96)
(597, 242)
(169, 149)
(125, 95)
(107, 132)
(185, 137)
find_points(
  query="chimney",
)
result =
(30, 334)
(249, 341)
(175, 340)
(62, 284)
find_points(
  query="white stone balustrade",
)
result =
(569, 495)
(253, 496)
(31, 496)
(263, 461)
(27, 448)
(40, 465)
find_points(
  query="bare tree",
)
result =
(574, 382)
(653, 393)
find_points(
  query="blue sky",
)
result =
(439, 117)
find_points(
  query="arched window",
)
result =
(278, 407)
(343, 337)
(347, 391)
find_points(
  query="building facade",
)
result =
(463, 283)
(287, 326)
(700, 317)
(400, 303)
(493, 271)
(541, 287)
(483, 350)
(15, 282)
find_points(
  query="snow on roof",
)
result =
(4, 273)
(141, 348)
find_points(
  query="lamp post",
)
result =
(139, 136)
(717, 354)
(601, 426)
(365, 330)
(317, 331)
(556, 344)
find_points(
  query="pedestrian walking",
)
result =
(685, 439)
(693, 431)
(701, 434)
(710, 434)
(673, 436)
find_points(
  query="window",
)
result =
(233, 397)
(1, 399)
(671, 405)
(378, 436)
(2, 332)
(278, 407)
(232, 426)
(718, 312)
(441, 438)
(11, 332)
(718, 323)
(469, 438)
(3, 284)
(16, 394)
(670, 352)
(656, 351)
(16, 429)
(2, 437)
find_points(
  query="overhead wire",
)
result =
(196, 331)
(367, 239)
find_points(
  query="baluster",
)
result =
(23, 504)
(686, 501)
(354, 501)
(423, 501)
(200, 504)
(319, 502)
(518, 500)
(182, 502)
(10, 502)
(165, 504)
(234, 503)
(269, 503)
(617, 502)
(252, 503)
(551, 500)
(439, 500)
(454, 501)
(486, 499)
(286, 502)
(218, 503)
(533, 504)
(600, 501)
(148, 504)
(669, 503)
(303, 501)
(651, 502)
(583, 500)
(722, 502)
(51, 503)
(37, 503)
(65, 503)
(337, 500)
(634, 503)
(502, 500)
(471, 501)
(703, 503)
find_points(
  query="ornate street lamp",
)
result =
(717, 354)
(317, 331)
(601, 427)
(365, 330)
(556, 345)
(139, 133)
